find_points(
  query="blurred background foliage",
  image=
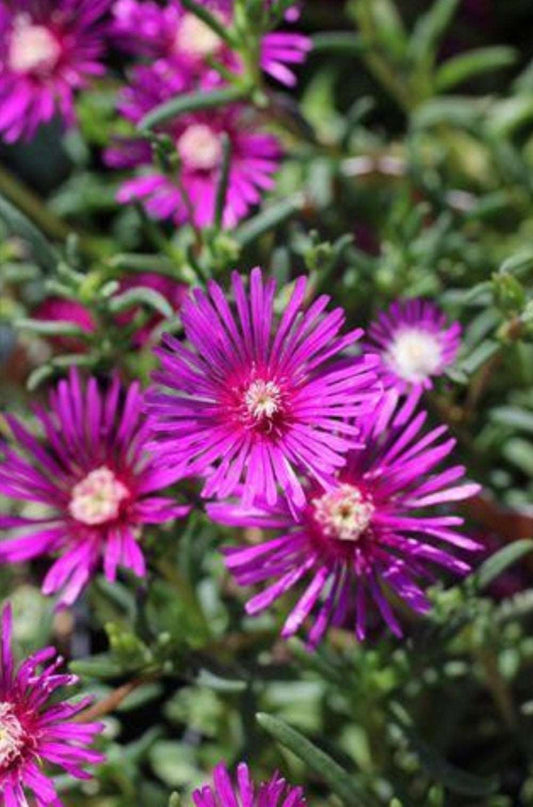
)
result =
(409, 172)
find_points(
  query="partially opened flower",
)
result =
(49, 49)
(244, 793)
(372, 533)
(33, 731)
(257, 398)
(176, 35)
(189, 192)
(96, 480)
(416, 343)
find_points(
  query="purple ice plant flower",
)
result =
(373, 532)
(33, 732)
(257, 398)
(96, 480)
(183, 40)
(244, 793)
(49, 49)
(191, 194)
(416, 343)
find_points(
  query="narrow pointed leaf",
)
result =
(191, 102)
(463, 67)
(494, 566)
(142, 295)
(18, 224)
(455, 779)
(340, 782)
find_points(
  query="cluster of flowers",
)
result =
(292, 427)
(48, 50)
(33, 731)
(289, 426)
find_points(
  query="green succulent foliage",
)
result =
(408, 172)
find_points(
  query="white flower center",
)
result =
(414, 354)
(343, 513)
(196, 38)
(32, 48)
(12, 735)
(262, 399)
(200, 148)
(97, 498)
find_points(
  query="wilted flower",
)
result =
(96, 479)
(369, 534)
(48, 50)
(257, 398)
(187, 44)
(32, 732)
(416, 343)
(223, 793)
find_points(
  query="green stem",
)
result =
(34, 208)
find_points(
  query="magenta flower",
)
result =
(198, 140)
(32, 733)
(415, 343)
(48, 50)
(96, 478)
(370, 532)
(223, 793)
(257, 398)
(57, 309)
(184, 41)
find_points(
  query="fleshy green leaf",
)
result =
(341, 783)
(191, 102)
(463, 67)
(494, 566)
(18, 224)
(455, 779)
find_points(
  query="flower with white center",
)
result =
(95, 476)
(200, 147)
(32, 48)
(262, 400)
(343, 513)
(252, 399)
(35, 731)
(98, 497)
(415, 343)
(414, 354)
(195, 38)
(371, 532)
(49, 50)
(12, 736)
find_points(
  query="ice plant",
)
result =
(57, 309)
(49, 49)
(257, 399)
(371, 533)
(184, 41)
(96, 480)
(188, 193)
(415, 342)
(33, 732)
(244, 793)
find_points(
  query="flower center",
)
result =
(32, 48)
(196, 38)
(344, 513)
(200, 148)
(414, 354)
(262, 399)
(97, 498)
(12, 736)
